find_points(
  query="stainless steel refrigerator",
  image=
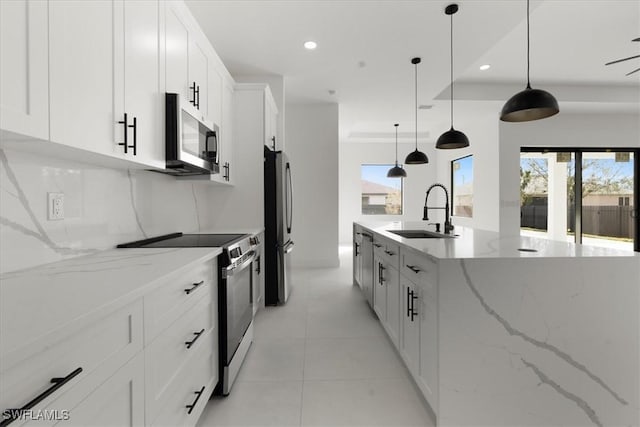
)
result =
(278, 217)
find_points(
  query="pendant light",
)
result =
(452, 138)
(416, 157)
(530, 104)
(396, 171)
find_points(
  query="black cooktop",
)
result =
(179, 240)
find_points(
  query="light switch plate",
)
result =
(55, 206)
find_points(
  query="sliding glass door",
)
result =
(586, 196)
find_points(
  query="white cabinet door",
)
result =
(270, 123)
(214, 102)
(24, 73)
(226, 134)
(119, 401)
(410, 338)
(81, 47)
(198, 75)
(393, 305)
(380, 276)
(428, 377)
(137, 78)
(176, 53)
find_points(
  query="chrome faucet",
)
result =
(448, 227)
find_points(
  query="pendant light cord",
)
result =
(416, 85)
(396, 144)
(528, 48)
(452, 70)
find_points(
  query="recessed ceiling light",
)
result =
(485, 67)
(310, 45)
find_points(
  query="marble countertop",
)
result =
(475, 243)
(38, 303)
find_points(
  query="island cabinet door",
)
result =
(428, 376)
(392, 324)
(380, 289)
(410, 334)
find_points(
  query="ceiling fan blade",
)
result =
(623, 59)
(634, 71)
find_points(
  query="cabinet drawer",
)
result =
(201, 371)
(387, 250)
(168, 353)
(418, 269)
(100, 349)
(179, 294)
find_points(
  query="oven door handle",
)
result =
(231, 270)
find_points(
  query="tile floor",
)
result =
(321, 360)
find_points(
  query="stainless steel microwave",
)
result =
(192, 147)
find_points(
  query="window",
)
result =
(581, 195)
(380, 195)
(462, 186)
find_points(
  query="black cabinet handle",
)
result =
(382, 269)
(225, 176)
(408, 302)
(14, 414)
(357, 247)
(258, 269)
(413, 268)
(413, 311)
(377, 245)
(228, 171)
(193, 341)
(135, 133)
(193, 288)
(273, 142)
(195, 402)
(389, 253)
(124, 122)
(196, 95)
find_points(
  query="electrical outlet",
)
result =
(55, 206)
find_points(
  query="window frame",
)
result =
(389, 166)
(453, 187)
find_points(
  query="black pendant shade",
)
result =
(530, 104)
(452, 138)
(416, 157)
(396, 171)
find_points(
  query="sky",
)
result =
(463, 174)
(378, 174)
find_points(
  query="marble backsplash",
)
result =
(102, 207)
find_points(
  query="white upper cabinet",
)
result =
(227, 173)
(81, 46)
(198, 75)
(104, 78)
(138, 79)
(176, 53)
(24, 103)
(271, 123)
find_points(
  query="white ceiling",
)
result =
(365, 47)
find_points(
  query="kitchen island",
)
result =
(508, 330)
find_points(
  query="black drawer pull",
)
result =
(413, 311)
(125, 144)
(389, 253)
(14, 414)
(193, 341)
(377, 245)
(193, 288)
(195, 402)
(413, 268)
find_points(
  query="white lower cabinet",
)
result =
(410, 333)
(405, 299)
(119, 401)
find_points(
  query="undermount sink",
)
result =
(421, 234)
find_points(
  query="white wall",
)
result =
(482, 131)
(562, 130)
(419, 177)
(103, 207)
(312, 146)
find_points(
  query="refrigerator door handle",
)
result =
(289, 198)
